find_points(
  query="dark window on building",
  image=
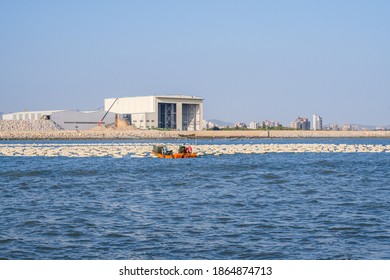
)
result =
(167, 115)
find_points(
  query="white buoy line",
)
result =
(139, 150)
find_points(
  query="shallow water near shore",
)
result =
(243, 206)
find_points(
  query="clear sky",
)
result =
(249, 60)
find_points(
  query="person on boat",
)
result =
(188, 150)
(165, 151)
(182, 149)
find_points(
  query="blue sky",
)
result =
(250, 60)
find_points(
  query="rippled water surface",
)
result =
(271, 206)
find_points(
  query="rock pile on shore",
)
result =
(85, 134)
(22, 130)
(290, 148)
(28, 125)
(143, 149)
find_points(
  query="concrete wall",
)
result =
(145, 120)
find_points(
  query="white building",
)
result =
(317, 122)
(253, 125)
(301, 124)
(208, 124)
(177, 112)
(65, 119)
(82, 120)
(31, 115)
(270, 124)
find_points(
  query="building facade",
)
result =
(301, 124)
(253, 125)
(81, 120)
(30, 115)
(317, 122)
(65, 119)
(175, 112)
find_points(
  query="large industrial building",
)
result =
(65, 119)
(176, 112)
(81, 120)
(30, 115)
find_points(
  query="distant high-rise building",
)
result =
(301, 124)
(334, 127)
(270, 124)
(346, 127)
(317, 122)
(253, 125)
(240, 125)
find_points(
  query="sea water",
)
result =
(252, 206)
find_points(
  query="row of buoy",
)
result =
(140, 150)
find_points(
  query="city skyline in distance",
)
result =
(250, 60)
(325, 126)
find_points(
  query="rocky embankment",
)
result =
(119, 150)
(28, 126)
(46, 129)
(156, 134)
(83, 135)
(23, 130)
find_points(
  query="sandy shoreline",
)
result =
(156, 134)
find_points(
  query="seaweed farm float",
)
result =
(162, 151)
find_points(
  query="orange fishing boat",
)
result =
(161, 151)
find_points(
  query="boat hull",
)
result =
(175, 155)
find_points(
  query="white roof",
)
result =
(162, 96)
(36, 112)
(178, 96)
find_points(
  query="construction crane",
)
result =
(107, 111)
